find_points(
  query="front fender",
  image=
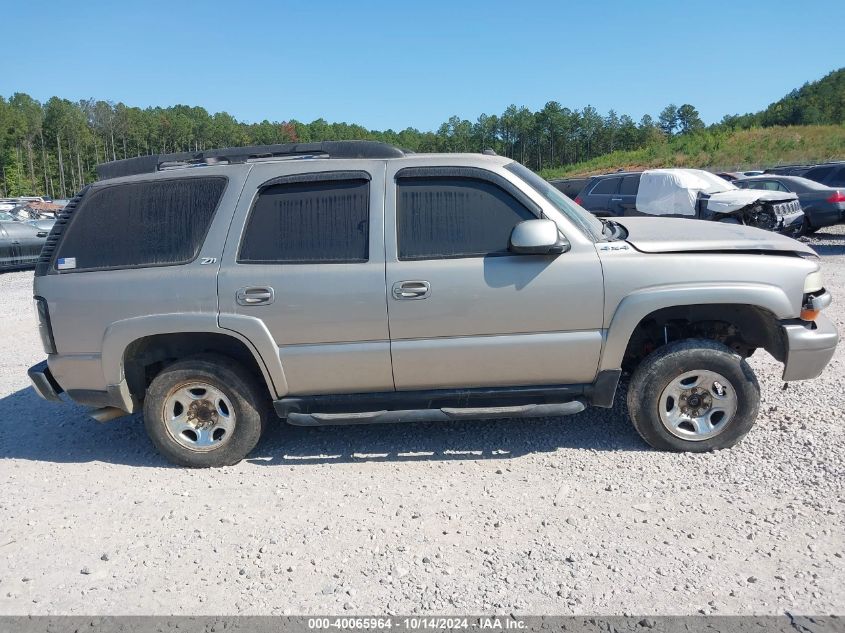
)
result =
(638, 305)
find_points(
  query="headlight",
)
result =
(813, 282)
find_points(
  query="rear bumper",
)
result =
(43, 382)
(809, 347)
(822, 216)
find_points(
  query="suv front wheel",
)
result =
(694, 395)
(204, 411)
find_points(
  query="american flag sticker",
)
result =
(66, 263)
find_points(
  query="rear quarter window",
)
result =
(137, 224)
(819, 173)
(837, 179)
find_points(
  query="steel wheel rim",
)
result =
(199, 416)
(698, 405)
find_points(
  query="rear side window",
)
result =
(321, 222)
(606, 185)
(818, 174)
(838, 179)
(447, 217)
(630, 185)
(153, 223)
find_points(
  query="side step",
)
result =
(445, 414)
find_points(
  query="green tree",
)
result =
(689, 119)
(668, 119)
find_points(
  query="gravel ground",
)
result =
(556, 516)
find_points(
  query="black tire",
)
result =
(808, 229)
(667, 363)
(249, 404)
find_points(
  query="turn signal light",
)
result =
(808, 314)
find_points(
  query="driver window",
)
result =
(447, 217)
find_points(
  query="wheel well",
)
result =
(144, 358)
(743, 328)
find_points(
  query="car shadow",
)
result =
(37, 430)
(835, 243)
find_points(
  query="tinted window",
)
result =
(606, 185)
(152, 223)
(818, 174)
(454, 217)
(309, 223)
(838, 179)
(630, 186)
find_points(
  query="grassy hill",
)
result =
(723, 150)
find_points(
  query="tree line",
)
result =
(52, 148)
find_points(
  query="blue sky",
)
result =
(399, 64)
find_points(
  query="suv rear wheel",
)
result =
(205, 411)
(695, 395)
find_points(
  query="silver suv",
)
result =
(351, 282)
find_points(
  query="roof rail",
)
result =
(230, 155)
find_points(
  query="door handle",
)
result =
(411, 290)
(616, 199)
(255, 296)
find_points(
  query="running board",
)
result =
(446, 414)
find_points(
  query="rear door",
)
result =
(599, 199)
(625, 200)
(465, 312)
(26, 241)
(305, 255)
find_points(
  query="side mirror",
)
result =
(537, 237)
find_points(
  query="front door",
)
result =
(309, 263)
(463, 311)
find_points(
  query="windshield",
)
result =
(582, 218)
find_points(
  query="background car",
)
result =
(823, 206)
(569, 186)
(692, 193)
(610, 194)
(20, 242)
(789, 170)
(830, 174)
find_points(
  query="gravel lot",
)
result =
(554, 516)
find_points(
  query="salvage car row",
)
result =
(784, 202)
(25, 224)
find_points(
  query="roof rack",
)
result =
(231, 155)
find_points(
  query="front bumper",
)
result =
(43, 382)
(809, 347)
(790, 224)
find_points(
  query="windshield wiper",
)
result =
(608, 228)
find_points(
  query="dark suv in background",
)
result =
(610, 194)
(831, 174)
